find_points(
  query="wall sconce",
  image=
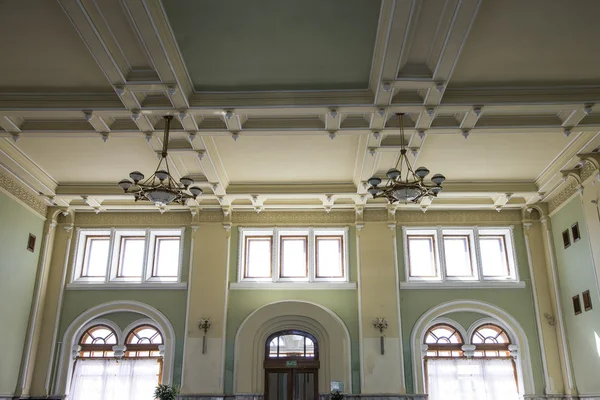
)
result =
(204, 324)
(381, 324)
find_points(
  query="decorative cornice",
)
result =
(22, 194)
(571, 187)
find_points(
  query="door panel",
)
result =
(291, 384)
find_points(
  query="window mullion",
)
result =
(441, 254)
(275, 256)
(311, 248)
(109, 262)
(477, 254)
(146, 256)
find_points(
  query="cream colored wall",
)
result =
(378, 287)
(203, 373)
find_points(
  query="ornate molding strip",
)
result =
(296, 217)
(132, 218)
(22, 194)
(571, 187)
(458, 217)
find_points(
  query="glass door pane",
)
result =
(277, 386)
(304, 386)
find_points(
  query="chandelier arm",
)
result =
(168, 119)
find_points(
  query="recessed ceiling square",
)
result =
(241, 45)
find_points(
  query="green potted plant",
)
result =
(336, 395)
(166, 392)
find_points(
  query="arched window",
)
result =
(99, 369)
(490, 341)
(291, 344)
(143, 341)
(443, 340)
(97, 342)
(482, 368)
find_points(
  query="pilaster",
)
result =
(545, 312)
(207, 295)
(557, 309)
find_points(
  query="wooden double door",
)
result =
(291, 384)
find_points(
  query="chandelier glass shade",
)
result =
(403, 183)
(161, 188)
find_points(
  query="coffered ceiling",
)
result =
(499, 96)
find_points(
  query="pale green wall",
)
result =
(517, 302)
(576, 274)
(243, 302)
(18, 268)
(172, 303)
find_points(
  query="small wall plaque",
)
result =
(575, 232)
(576, 305)
(587, 300)
(31, 243)
(566, 238)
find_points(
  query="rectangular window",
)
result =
(258, 256)
(131, 256)
(95, 256)
(127, 256)
(475, 254)
(494, 257)
(457, 255)
(166, 256)
(293, 256)
(422, 256)
(330, 256)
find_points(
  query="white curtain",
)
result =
(112, 380)
(471, 379)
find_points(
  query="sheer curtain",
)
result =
(112, 380)
(471, 379)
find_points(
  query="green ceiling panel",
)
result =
(248, 45)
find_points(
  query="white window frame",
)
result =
(110, 277)
(473, 232)
(276, 234)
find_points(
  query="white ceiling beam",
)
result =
(150, 20)
(91, 26)
(393, 43)
(462, 18)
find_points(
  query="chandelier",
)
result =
(405, 185)
(160, 188)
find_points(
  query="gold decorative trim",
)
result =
(23, 195)
(571, 187)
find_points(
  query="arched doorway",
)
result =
(291, 366)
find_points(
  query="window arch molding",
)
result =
(102, 321)
(499, 317)
(91, 316)
(488, 321)
(450, 322)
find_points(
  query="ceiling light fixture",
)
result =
(405, 184)
(161, 189)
